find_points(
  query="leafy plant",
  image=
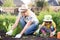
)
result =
(6, 22)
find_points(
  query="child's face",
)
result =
(48, 22)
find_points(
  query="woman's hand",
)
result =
(18, 36)
(9, 32)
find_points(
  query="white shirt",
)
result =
(32, 17)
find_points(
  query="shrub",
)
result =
(41, 3)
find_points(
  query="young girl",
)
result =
(28, 21)
(48, 26)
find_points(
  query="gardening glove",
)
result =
(52, 33)
(9, 32)
(18, 36)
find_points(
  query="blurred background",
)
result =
(9, 12)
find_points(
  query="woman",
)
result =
(28, 21)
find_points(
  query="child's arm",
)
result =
(53, 33)
(40, 26)
(43, 23)
(54, 25)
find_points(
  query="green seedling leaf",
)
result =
(4, 23)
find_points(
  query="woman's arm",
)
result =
(26, 26)
(14, 26)
(16, 22)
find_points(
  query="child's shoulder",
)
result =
(53, 22)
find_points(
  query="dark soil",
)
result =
(3, 36)
(2, 33)
(28, 38)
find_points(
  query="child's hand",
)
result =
(52, 33)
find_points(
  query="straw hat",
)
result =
(23, 8)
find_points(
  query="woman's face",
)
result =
(24, 9)
(24, 13)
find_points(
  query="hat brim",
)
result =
(22, 9)
(47, 20)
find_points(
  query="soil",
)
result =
(29, 37)
(2, 33)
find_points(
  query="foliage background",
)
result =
(7, 20)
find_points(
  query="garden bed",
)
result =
(28, 38)
(3, 36)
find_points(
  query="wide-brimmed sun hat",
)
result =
(47, 18)
(23, 8)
